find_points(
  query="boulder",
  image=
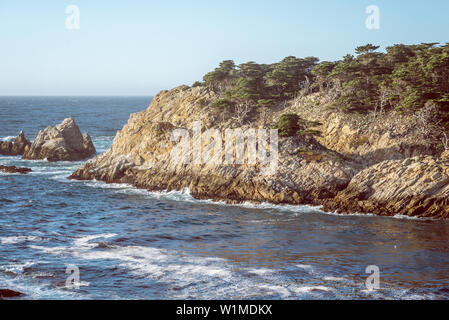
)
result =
(64, 142)
(16, 147)
(14, 169)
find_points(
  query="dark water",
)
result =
(133, 244)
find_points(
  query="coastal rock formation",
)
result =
(368, 140)
(142, 155)
(416, 186)
(390, 172)
(14, 169)
(16, 147)
(64, 142)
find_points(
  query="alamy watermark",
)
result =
(72, 21)
(207, 147)
(373, 281)
(372, 22)
(73, 280)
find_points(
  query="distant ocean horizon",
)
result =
(129, 243)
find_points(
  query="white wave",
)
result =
(282, 291)
(35, 290)
(327, 278)
(305, 267)
(185, 195)
(19, 239)
(66, 173)
(84, 241)
(404, 217)
(7, 138)
(9, 174)
(16, 268)
(210, 277)
(261, 272)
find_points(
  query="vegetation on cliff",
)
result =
(358, 135)
(405, 78)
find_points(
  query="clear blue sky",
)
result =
(140, 47)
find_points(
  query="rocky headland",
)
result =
(382, 164)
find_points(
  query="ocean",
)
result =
(126, 243)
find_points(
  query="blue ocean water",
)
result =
(134, 244)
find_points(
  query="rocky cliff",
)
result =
(349, 168)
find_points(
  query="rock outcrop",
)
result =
(64, 142)
(14, 169)
(416, 186)
(141, 155)
(16, 147)
(391, 173)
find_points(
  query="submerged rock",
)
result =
(6, 293)
(64, 142)
(16, 147)
(14, 169)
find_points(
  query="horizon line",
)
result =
(68, 95)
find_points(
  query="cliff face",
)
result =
(330, 170)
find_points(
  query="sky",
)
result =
(141, 47)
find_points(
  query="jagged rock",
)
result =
(16, 147)
(63, 142)
(416, 186)
(14, 169)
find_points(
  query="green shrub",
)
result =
(265, 102)
(197, 84)
(288, 125)
(222, 104)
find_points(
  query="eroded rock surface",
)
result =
(16, 147)
(389, 172)
(141, 155)
(416, 186)
(64, 142)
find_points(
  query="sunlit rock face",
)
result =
(64, 142)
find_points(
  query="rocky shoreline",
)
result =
(381, 168)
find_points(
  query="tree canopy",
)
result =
(404, 77)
